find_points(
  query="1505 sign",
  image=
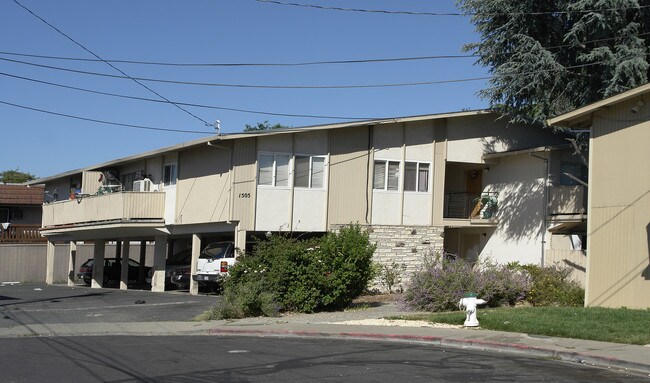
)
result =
(244, 195)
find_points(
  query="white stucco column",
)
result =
(49, 265)
(196, 250)
(124, 272)
(240, 239)
(159, 252)
(72, 259)
(99, 250)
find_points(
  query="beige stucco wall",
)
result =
(471, 137)
(619, 208)
(519, 180)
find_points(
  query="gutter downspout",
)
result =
(545, 210)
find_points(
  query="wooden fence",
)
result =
(21, 234)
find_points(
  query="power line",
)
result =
(245, 85)
(109, 64)
(102, 121)
(414, 13)
(306, 63)
(301, 87)
(184, 103)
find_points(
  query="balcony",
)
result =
(463, 209)
(21, 234)
(567, 200)
(119, 207)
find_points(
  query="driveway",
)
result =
(39, 304)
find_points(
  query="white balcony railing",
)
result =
(106, 207)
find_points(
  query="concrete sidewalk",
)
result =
(606, 355)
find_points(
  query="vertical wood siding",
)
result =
(348, 174)
(619, 208)
(244, 188)
(26, 263)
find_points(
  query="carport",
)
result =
(124, 233)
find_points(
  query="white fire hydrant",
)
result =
(469, 303)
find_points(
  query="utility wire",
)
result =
(414, 13)
(109, 64)
(183, 103)
(304, 63)
(103, 121)
(351, 86)
(245, 85)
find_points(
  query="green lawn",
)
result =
(608, 325)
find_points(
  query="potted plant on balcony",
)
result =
(489, 205)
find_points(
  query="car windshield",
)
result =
(216, 251)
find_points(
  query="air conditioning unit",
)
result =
(144, 185)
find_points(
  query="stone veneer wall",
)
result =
(405, 245)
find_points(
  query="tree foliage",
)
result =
(263, 126)
(15, 177)
(549, 57)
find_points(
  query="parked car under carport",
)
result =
(112, 271)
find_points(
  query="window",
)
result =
(576, 170)
(273, 170)
(4, 215)
(416, 176)
(169, 175)
(308, 172)
(386, 175)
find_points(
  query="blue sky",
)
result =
(215, 31)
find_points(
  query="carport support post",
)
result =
(143, 258)
(159, 252)
(49, 265)
(124, 272)
(98, 263)
(196, 249)
(71, 262)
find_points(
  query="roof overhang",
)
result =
(234, 136)
(493, 155)
(579, 227)
(577, 118)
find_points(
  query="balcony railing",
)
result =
(21, 234)
(567, 200)
(121, 206)
(470, 205)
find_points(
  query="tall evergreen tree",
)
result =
(548, 57)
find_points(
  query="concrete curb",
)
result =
(472, 344)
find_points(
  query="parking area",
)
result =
(42, 304)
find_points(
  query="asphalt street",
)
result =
(251, 359)
(60, 334)
(37, 304)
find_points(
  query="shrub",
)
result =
(551, 286)
(390, 275)
(348, 259)
(304, 275)
(441, 282)
(502, 285)
(245, 300)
